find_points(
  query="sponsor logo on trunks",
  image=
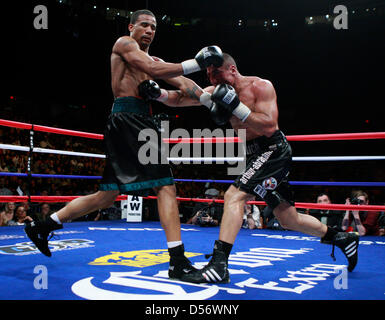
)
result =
(270, 183)
(260, 190)
(133, 285)
(139, 259)
(232, 153)
(26, 248)
(255, 166)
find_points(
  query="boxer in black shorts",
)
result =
(250, 103)
(267, 167)
(124, 173)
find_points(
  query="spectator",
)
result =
(21, 216)
(207, 214)
(364, 222)
(252, 218)
(8, 213)
(269, 219)
(45, 212)
(331, 218)
(2, 213)
(381, 224)
(4, 191)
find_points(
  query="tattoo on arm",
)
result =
(191, 92)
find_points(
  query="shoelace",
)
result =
(51, 235)
(332, 254)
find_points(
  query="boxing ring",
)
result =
(116, 260)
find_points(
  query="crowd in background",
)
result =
(53, 164)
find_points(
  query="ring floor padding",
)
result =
(116, 260)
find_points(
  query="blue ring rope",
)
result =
(294, 183)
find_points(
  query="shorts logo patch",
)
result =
(270, 183)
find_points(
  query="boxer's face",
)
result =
(143, 31)
(224, 74)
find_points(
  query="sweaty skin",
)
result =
(260, 97)
(131, 64)
(257, 94)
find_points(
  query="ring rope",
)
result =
(295, 183)
(186, 159)
(312, 137)
(301, 205)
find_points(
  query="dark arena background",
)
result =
(328, 79)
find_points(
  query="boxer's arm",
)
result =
(129, 50)
(261, 115)
(266, 104)
(189, 93)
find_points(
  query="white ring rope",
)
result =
(193, 159)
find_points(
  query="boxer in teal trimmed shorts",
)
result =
(130, 66)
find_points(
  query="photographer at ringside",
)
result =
(363, 222)
(208, 214)
(331, 218)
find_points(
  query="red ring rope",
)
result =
(312, 137)
(302, 205)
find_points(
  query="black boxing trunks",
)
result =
(124, 171)
(268, 163)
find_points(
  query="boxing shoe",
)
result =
(348, 243)
(216, 271)
(179, 264)
(39, 231)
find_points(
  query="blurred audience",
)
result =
(363, 222)
(207, 214)
(21, 216)
(332, 218)
(252, 218)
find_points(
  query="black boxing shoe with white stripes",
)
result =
(216, 271)
(38, 232)
(348, 243)
(179, 264)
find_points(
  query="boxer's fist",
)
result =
(219, 114)
(149, 90)
(225, 97)
(209, 56)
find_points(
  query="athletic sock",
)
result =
(177, 250)
(223, 246)
(55, 218)
(329, 235)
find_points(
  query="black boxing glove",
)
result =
(219, 114)
(150, 90)
(225, 97)
(208, 56)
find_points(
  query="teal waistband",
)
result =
(130, 104)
